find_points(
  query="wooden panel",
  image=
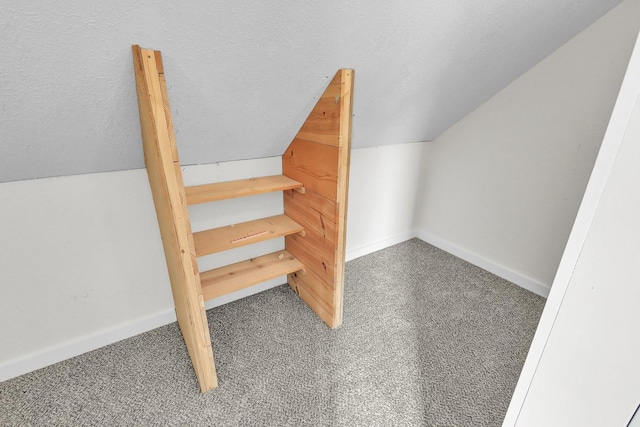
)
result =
(314, 201)
(323, 123)
(167, 114)
(315, 213)
(306, 287)
(159, 63)
(346, 113)
(173, 220)
(313, 164)
(316, 256)
(319, 158)
(246, 233)
(240, 188)
(324, 294)
(234, 277)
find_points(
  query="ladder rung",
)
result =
(231, 278)
(233, 236)
(241, 188)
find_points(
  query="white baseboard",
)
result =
(378, 245)
(31, 362)
(48, 356)
(510, 275)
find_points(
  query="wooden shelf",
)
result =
(234, 277)
(241, 188)
(315, 166)
(246, 233)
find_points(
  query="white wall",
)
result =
(78, 254)
(501, 188)
(382, 197)
(81, 261)
(583, 368)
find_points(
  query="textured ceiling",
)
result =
(242, 76)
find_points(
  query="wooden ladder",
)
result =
(314, 185)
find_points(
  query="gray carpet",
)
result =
(427, 340)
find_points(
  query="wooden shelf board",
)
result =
(233, 236)
(234, 277)
(240, 188)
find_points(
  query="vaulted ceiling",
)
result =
(242, 76)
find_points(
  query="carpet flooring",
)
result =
(427, 340)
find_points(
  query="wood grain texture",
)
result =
(233, 236)
(231, 278)
(315, 255)
(316, 168)
(240, 188)
(324, 294)
(346, 113)
(323, 123)
(315, 165)
(307, 288)
(162, 165)
(315, 213)
(319, 158)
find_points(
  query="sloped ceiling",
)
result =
(242, 76)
